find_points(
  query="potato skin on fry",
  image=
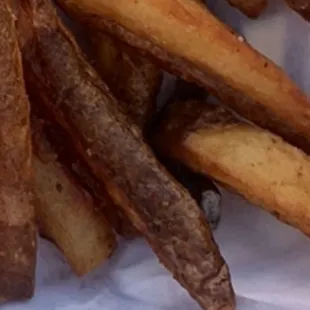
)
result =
(133, 79)
(249, 83)
(17, 221)
(65, 211)
(251, 8)
(159, 207)
(251, 161)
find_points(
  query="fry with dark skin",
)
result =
(135, 81)
(249, 83)
(17, 220)
(160, 208)
(249, 160)
(65, 211)
(251, 8)
(302, 7)
(132, 78)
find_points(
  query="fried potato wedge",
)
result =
(66, 213)
(253, 162)
(251, 8)
(17, 220)
(209, 53)
(160, 208)
(136, 82)
(133, 79)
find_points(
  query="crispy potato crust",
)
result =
(136, 82)
(159, 207)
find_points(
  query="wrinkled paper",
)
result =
(269, 261)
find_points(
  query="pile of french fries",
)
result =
(85, 156)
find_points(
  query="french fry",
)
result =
(17, 221)
(253, 162)
(302, 7)
(188, 40)
(136, 82)
(65, 211)
(251, 8)
(132, 78)
(159, 207)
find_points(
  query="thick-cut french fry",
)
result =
(17, 220)
(65, 211)
(188, 40)
(251, 8)
(159, 207)
(135, 81)
(302, 7)
(132, 78)
(254, 162)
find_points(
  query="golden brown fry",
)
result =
(302, 7)
(65, 211)
(132, 78)
(254, 162)
(113, 147)
(251, 8)
(209, 53)
(17, 225)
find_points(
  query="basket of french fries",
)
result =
(92, 160)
